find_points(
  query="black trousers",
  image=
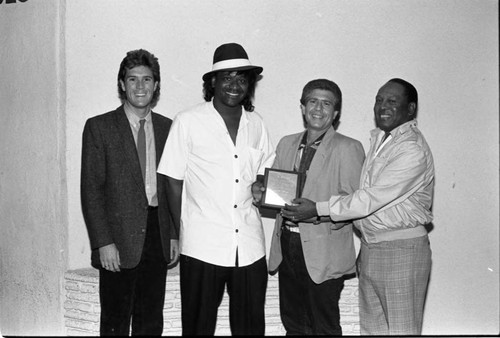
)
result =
(306, 308)
(202, 290)
(137, 293)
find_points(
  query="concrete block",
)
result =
(72, 305)
(72, 286)
(80, 333)
(89, 288)
(83, 275)
(79, 315)
(169, 296)
(85, 326)
(84, 297)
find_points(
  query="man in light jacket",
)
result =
(315, 255)
(391, 209)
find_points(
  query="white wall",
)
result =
(448, 49)
(33, 213)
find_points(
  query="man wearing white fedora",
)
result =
(213, 154)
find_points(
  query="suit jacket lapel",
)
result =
(159, 137)
(292, 152)
(129, 147)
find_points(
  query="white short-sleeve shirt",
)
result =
(217, 211)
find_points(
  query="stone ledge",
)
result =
(82, 308)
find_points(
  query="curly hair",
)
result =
(139, 57)
(251, 76)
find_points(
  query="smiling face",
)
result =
(139, 86)
(230, 88)
(319, 110)
(392, 108)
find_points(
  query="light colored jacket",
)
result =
(335, 170)
(396, 189)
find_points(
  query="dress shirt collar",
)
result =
(133, 118)
(315, 144)
(378, 133)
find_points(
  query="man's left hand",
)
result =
(301, 209)
(174, 252)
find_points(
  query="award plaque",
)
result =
(282, 186)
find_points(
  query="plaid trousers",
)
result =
(393, 279)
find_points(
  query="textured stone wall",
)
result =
(82, 309)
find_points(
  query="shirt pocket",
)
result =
(252, 162)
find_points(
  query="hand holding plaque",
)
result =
(282, 186)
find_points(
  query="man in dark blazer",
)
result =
(132, 238)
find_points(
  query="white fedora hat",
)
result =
(231, 57)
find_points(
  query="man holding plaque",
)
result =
(213, 154)
(315, 255)
(391, 209)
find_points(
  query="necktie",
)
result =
(141, 148)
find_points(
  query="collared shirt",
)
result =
(150, 182)
(305, 155)
(385, 139)
(218, 216)
(396, 188)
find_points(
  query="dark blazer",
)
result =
(114, 201)
(335, 170)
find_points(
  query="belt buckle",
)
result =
(294, 229)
